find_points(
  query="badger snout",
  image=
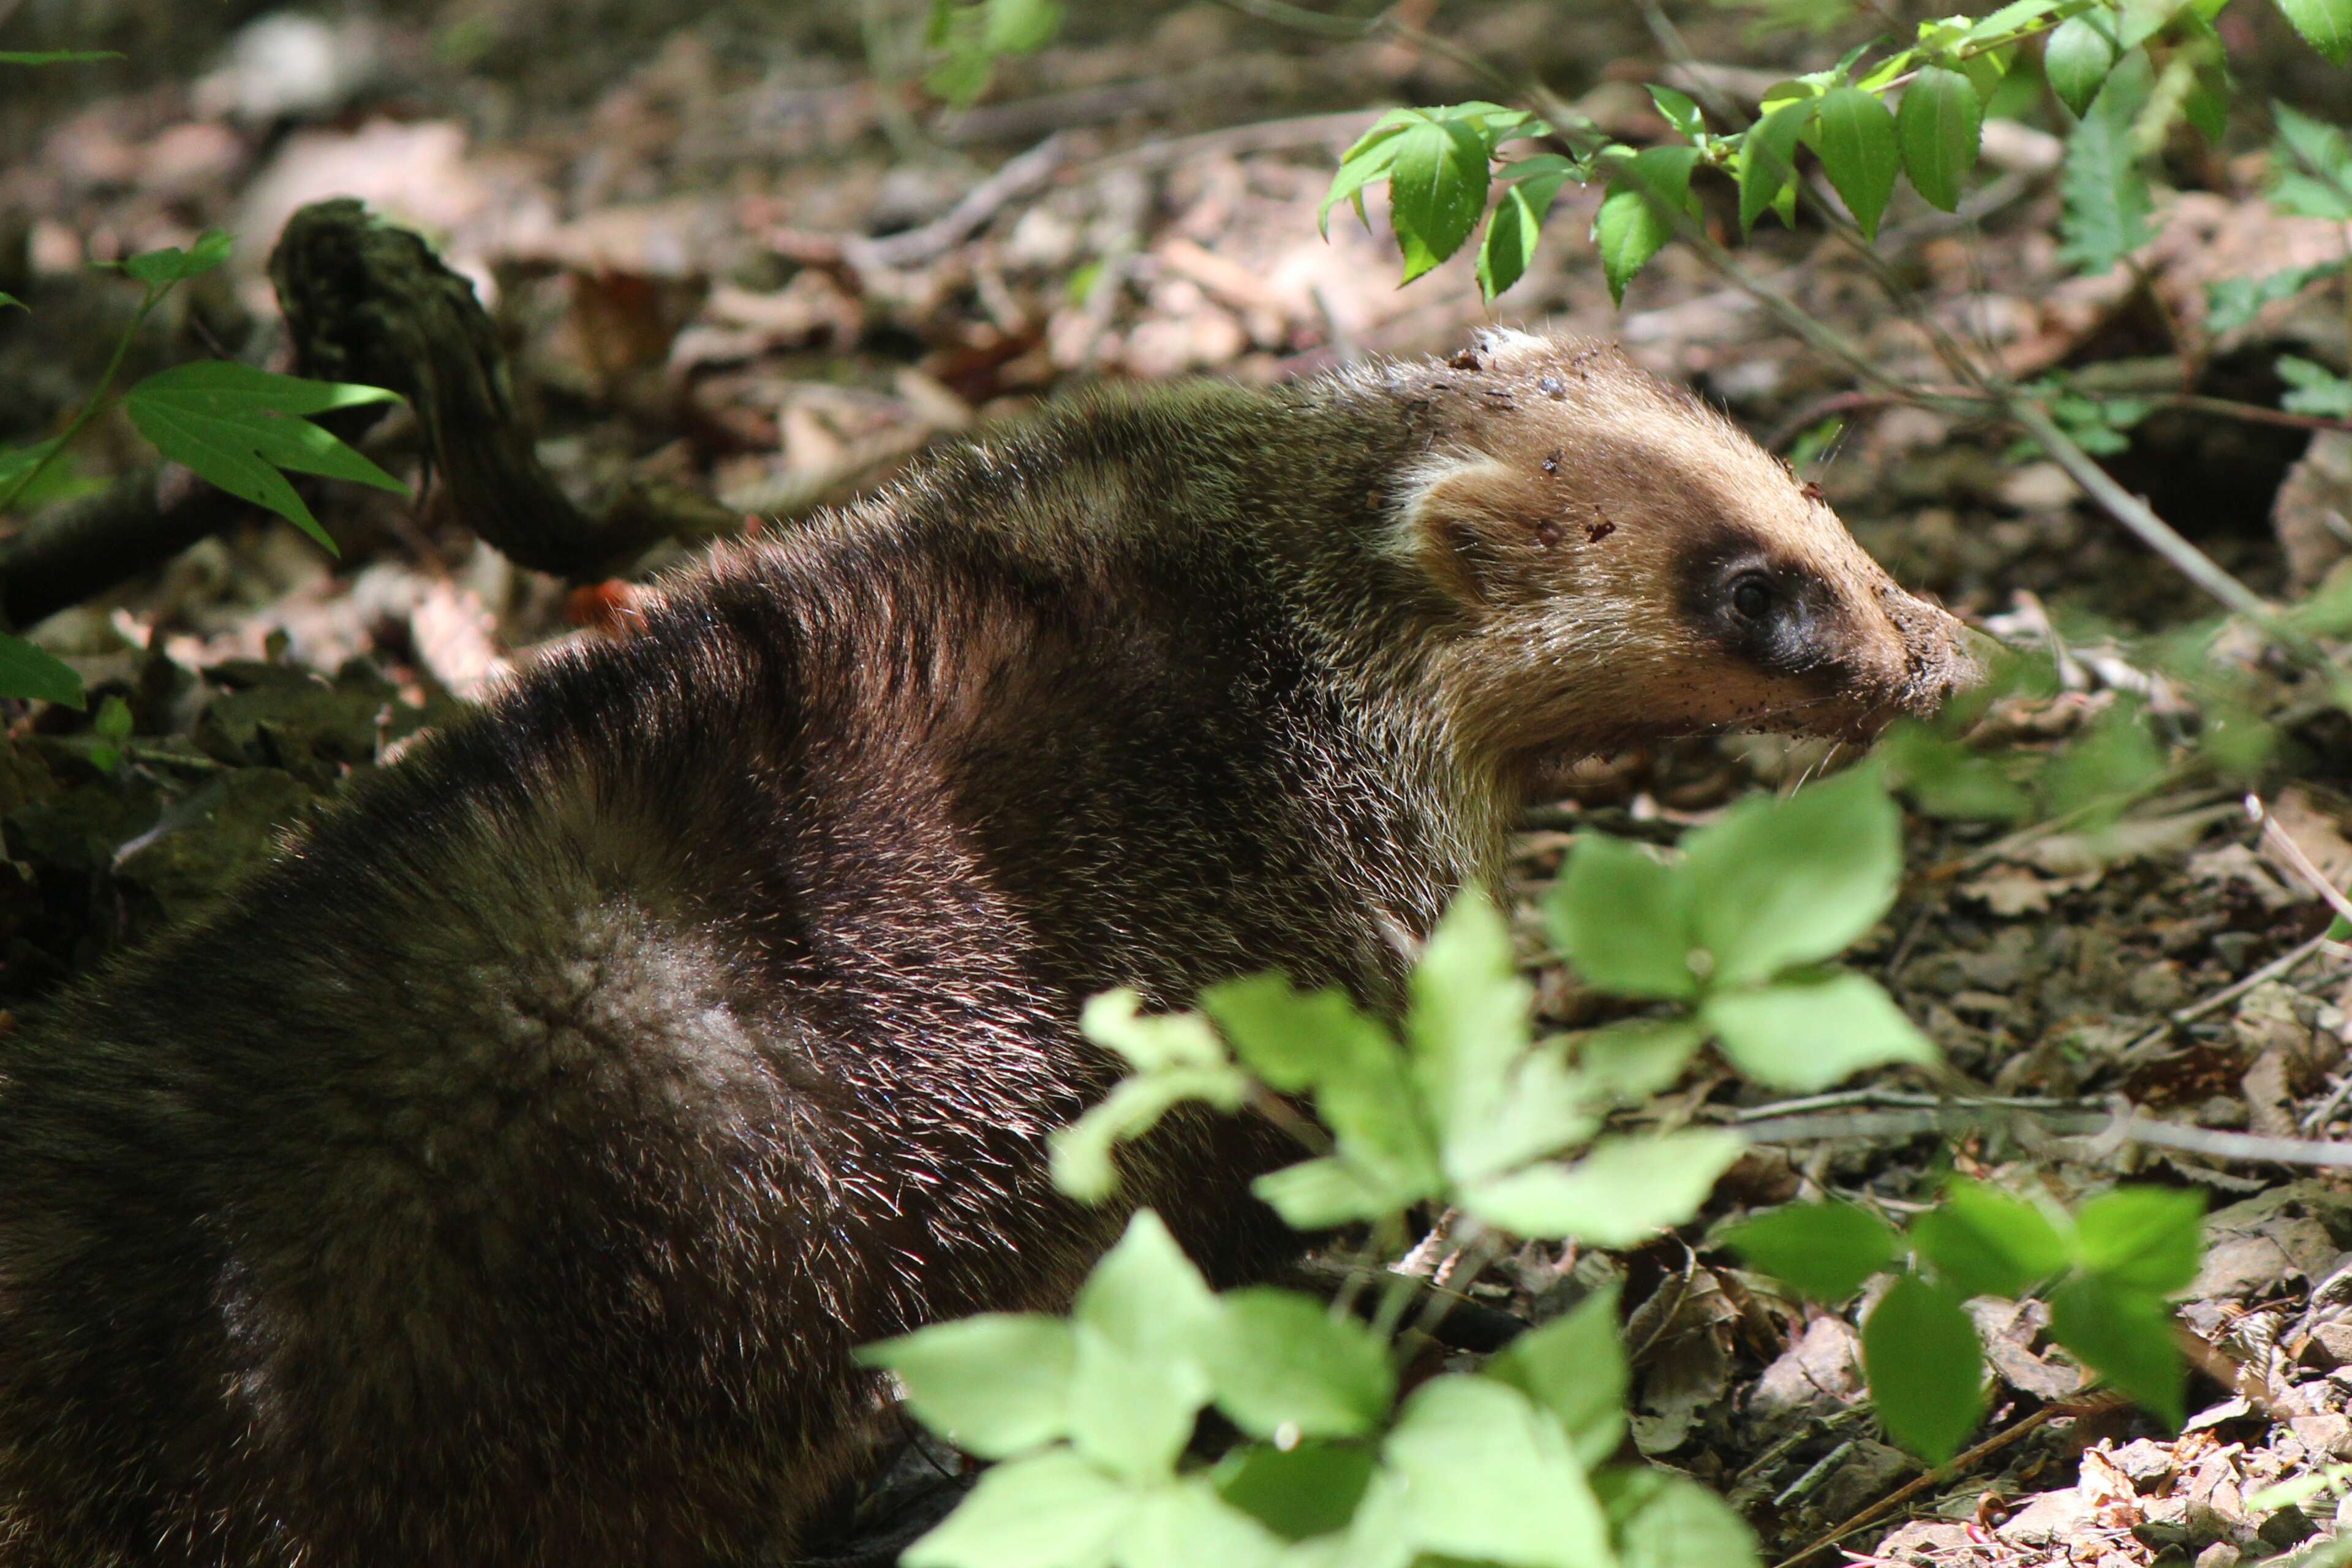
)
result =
(1937, 663)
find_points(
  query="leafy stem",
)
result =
(98, 399)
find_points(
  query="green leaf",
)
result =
(1188, 1525)
(2234, 303)
(2126, 1337)
(2318, 389)
(34, 673)
(1822, 1251)
(1282, 1360)
(2326, 25)
(1635, 1059)
(2077, 58)
(1484, 1477)
(1666, 1520)
(237, 427)
(7, 299)
(1925, 1368)
(1984, 1242)
(2317, 147)
(1294, 1040)
(1544, 1106)
(1049, 1510)
(1632, 223)
(162, 268)
(2149, 1239)
(1366, 162)
(1679, 110)
(1574, 1369)
(1614, 915)
(995, 1385)
(54, 56)
(1807, 1034)
(1115, 1020)
(1854, 136)
(1131, 1412)
(1944, 778)
(2115, 758)
(1937, 128)
(1306, 1490)
(1467, 1024)
(1623, 1192)
(1082, 1166)
(1142, 1321)
(1437, 189)
(1316, 1194)
(2104, 200)
(1768, 161)
(1512, 231)
(1019, 26)
(1772, 883)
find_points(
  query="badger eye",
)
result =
(1751, 596)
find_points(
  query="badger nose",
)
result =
(1937, 663)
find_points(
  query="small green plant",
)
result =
(2109, 1268)
(1090, 1416)
(240, 428)
(966, 38)
(2127, 69)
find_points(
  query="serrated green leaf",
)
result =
(1807, 1034)
(1854, 135)
(1925, 1368)
(1080, 1153)
(1633, 221)
(1823, 1251)
(2105, 199)
(1365, 163)
(1130, 1411)
(2316, 389)
(1634, 1059)
(2149, 1239)
(2326, 25)
(1666, 1520)
(1623, 1192)
(1467, 1023)
(1295, 1039)
(1049, 1510)
(29, 671)
(2075, 59)
(1309, 1489)
(1616, 916)
(1437, 189)
(1772, 883)
(995, 1385)
(1484, 1477)
(1142, 1322)
(1984, 1242)
(1937, 128)
(1574, 1369)
(1188, 1525)
(2126, 1337)
(1768, 160)
(1318, 1194)
(1512, 230)
(237, 426)
(1281, 1360)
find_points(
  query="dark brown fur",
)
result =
(504, 1175)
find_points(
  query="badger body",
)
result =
(504, 1175)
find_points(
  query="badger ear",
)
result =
(1465, 524)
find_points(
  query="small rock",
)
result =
(2053, 1518)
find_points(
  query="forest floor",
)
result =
(725, 256)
